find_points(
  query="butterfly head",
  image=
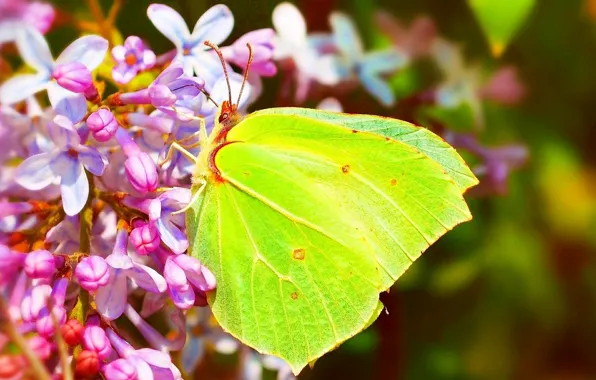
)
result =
(228, 113)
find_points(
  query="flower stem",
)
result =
(97, 13)
(62, 349)
(111, 19)
(11, 330)
(87, 219)
(86, 223)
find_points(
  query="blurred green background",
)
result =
(512, 294)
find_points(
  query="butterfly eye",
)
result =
(223, 116)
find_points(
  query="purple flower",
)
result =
(150, 364)
(102, 124)
(120, 369)
(261, 42)
(131, 58)
(140, 169)
(160, 211)
(111, 298)
(95, 339)
(145, 238)
(66, 164)
(155, 338)
(215, 25)
(92, 272)
(171, 85)
(34, 301)
(15, 15)
(88, 50)
(73, 76)
(40, 264)
(293, 42)
(368, 67)
(45, 323)
(181, 271)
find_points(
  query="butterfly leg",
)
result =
(194, 198)
(182, 149)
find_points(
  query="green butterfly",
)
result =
(305, 216)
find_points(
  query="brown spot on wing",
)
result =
(294, 296)
(393, 182)
(345, 169)
(299, 253)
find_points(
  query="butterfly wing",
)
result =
(420, 138)
(311, 222)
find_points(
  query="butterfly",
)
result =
(305, 216)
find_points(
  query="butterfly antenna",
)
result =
(209, 97)
(223, 63)
(245, 71)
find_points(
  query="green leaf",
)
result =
(308, 219)
(501, 20)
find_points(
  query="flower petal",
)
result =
(123, 73)
(92, 160)
(383, 62)
(35, 50)
(346, 36)
(62, 132)
(169, 23)
(21, 87)
(74, 189)
(154, 357)
(35, 173)
(378, 88)
(119, 53)
(215, 25)
(330, 104)
(172, 236)
(195, 272)
(176, 198)
(183, 298)
(143, 369)
(88, 50)
(147, 278)
(67, 103)
(289, 24)
(111, 299)
(172, 72)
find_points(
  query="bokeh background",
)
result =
(512, 294)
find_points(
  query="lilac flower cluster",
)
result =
(90, 226)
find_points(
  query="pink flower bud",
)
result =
(141, 171)
(95, 339)
(92, 272)
(45, 323)
(40, 346)
(145, 238)
(120, 369)
(40, 264)
(73, 76)
(102, 124)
